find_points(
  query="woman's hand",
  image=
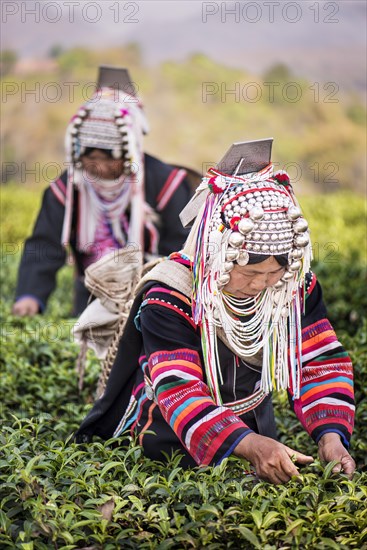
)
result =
(331, 448)
(25, 306)
(272, 460)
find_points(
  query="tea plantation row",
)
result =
(55, 494)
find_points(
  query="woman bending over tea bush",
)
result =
(220, 325)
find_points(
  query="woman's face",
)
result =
(101, 166)
(251, 279)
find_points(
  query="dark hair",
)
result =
(282, 259)
(90, 150)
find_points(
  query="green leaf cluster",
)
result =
(56, 494)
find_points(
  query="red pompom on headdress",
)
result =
(233, 223)
(282, 177)
(217, 184)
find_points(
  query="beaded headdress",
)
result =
(244, 213)
(112, 119)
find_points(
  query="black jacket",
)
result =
(43, 254)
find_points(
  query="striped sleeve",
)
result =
(209, 432)
(169, 188)
(58, 187)
(326, 402)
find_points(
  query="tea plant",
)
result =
(56, 494)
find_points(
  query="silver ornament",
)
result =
(296, 254)
(245, 226)
(232, 254)
(224, 279)
(82, 113)
(149, 392)
(284, 312)
(77, 121)
(300, 225)
(294, 213)
(278, 285)
(295, 266)
(256, 213)
(236, 239)
(243, 258)
(287, 276)
(228, 266)
(301, 240)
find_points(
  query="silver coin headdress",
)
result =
(113, 119)
(246, 207)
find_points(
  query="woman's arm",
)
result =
(172, 343)
(326, 403)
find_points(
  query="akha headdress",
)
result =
(113, 119)
(246, 208)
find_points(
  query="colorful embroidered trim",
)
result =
(207, 431)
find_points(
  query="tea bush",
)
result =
(56, 494)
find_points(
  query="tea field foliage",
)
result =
(55, 494)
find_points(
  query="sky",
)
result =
(317, 39)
